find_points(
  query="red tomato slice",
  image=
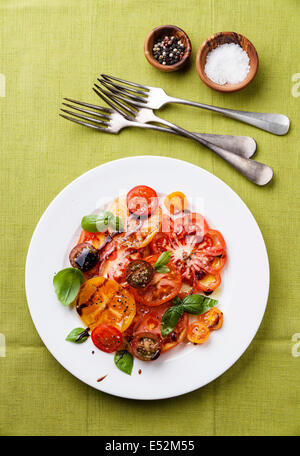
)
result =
(162, 288)
(115, 261)
(142, 200)
(185, 257)
(214, 264)
(160, 243)
(213, 243)
(107, 338)
(196, 261)
(141, 312)
(191, 224)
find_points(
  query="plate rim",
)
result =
(132, 158)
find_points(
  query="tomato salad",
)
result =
(143, 272)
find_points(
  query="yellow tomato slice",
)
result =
(197, 332)
(132, 237)
(101, 300)
(140, 232)
(176, 202)
(119, 208)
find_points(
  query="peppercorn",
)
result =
(168, 50)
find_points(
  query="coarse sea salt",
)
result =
(227, 63)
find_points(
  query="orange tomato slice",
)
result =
(197, 332)
(213, 319)
(208, 282)
(101, 300)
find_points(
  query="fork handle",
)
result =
(245, 146)
(278, 124)
(256, 172)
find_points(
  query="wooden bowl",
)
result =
(217, 40)
(159, 32)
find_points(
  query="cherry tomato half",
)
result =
(146, 346)
(107, 338)
(142, 200)
(176, 203)
(213, 319)
(197, 333)
(208, 282)
(213, 243)
(139, 273)
(84, 256)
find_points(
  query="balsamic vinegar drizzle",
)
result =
(83, 334)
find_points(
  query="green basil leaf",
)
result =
(116, 223)
(170, 319)
(100, 223)
(198, 304)
(193, 304)
(89, 223)
(66, 284)
(162, 260)
(103, 221)
(124, 361)
(162, 269)
(78, 335)
(177, 301)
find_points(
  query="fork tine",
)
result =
(100, 122)
(120, 92)
(99, 108)
(106, 130)
(110, 103)
(129, 113)
(134, 84)
(87, 111)
(123, 87)
(132, 103)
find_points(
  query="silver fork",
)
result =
(111, 121)
(256, 172)
(155, 98)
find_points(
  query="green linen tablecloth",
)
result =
(56, 48)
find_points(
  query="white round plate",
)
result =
(242, 296)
